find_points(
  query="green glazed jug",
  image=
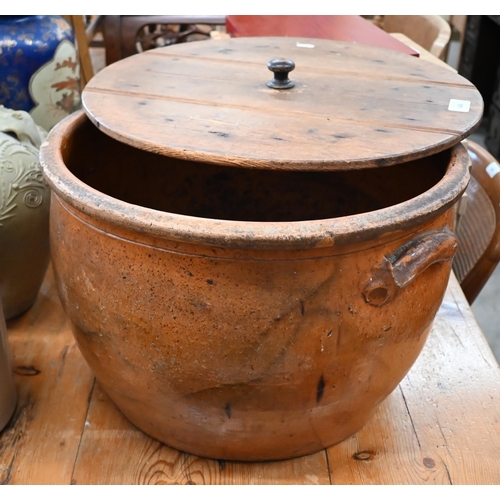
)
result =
(24, 212)
(8, 395)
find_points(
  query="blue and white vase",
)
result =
(39, 69)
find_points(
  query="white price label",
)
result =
(305, 45)
(493, 168)
(458, 105)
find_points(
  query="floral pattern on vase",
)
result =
(33, 45)
(55, 87)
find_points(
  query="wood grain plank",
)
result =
(246, 68)
(325, 55)
(249, 141)
(385, 451)
(343, 91)
(143, 460)
(53, 382)
(454, 401)
(404, 103)
(442, 424)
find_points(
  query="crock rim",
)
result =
(242, 234)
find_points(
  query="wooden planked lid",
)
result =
(352, 106)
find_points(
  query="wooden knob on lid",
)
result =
(280, 67)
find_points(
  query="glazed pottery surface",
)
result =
(247, 314)
(250, 268)
(8, 395)
(24, 212)
(39, 69)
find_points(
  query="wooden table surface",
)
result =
(441, 425)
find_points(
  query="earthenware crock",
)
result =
(239, 294)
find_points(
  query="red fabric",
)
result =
(345, 28)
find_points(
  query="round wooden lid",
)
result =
(351, 106)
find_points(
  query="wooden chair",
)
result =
(478, 223)
(128, 35)
(458, 25)
(84, 35)
(433, 33)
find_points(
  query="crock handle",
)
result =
(409, 260)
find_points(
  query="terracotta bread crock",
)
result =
(249, 271)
